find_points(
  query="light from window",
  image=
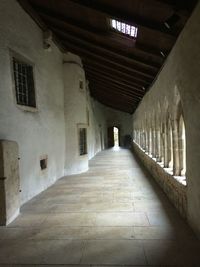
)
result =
(82, 141)
(124, 28)
(24, 83)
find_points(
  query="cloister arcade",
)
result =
(162, 136)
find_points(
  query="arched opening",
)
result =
(182, 146)
(116, 136)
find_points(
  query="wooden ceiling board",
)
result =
(120, 69)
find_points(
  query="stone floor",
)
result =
(112, 215)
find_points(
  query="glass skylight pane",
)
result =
(128, 29)
(114, 23)
(118, 26)
(136, 30)
(133, 31)
(124, 28)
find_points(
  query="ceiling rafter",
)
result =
(114, 87)
(117, 82)
(82, 52)
(139, 66)
(128, 18)
(115, 72)
(110, 89)
(118, 103)
(113, 106)
(64, 24)
(89, 68)
(105, 90)
(120, 69)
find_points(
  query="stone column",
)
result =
(153, 143)
(150, 142)
(176, 167)
(158, 146)
(166, 139)
(146, 141)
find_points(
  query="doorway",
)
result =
(113, 136)
(116, 136)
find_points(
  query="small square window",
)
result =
(43, 163)
(81, 85)
(24, 83)
(82, 141)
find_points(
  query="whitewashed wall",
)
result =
(40, 132)
(80, 111)
(61, 105)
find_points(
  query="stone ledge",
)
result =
(174, 189)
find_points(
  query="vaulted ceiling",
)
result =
(120, 69)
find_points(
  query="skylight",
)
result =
(124, 28)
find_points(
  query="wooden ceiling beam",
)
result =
(128, 99)
(118, 73)
(114, 87)
(115, 103)
(115, 13)
(121, 102)
(154, 57)
(107, 88)
(140, 67)
(116, 107)
(114, 81)
(77, 49)
(89, 68)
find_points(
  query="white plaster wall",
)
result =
(181, 71)
(36, 133)
(52, 130)
(75, 113)
(120, 119)
(97, 131)
(77, 103)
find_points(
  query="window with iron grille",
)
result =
(82, 141)
(24, 83)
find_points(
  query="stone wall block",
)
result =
(9, 181)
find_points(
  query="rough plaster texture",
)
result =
(175, 191)
(181, 73)
(75, 113)
(83, 111)
(80, 111)
(52, 129)
(121, 120)
(9, 182)
(97, 131)
(37, 133)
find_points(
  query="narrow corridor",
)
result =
(112, 215)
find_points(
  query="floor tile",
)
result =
(113, 252)
(111, 216)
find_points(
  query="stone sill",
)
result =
(179, 179)
(28, 108)
(173, 186)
